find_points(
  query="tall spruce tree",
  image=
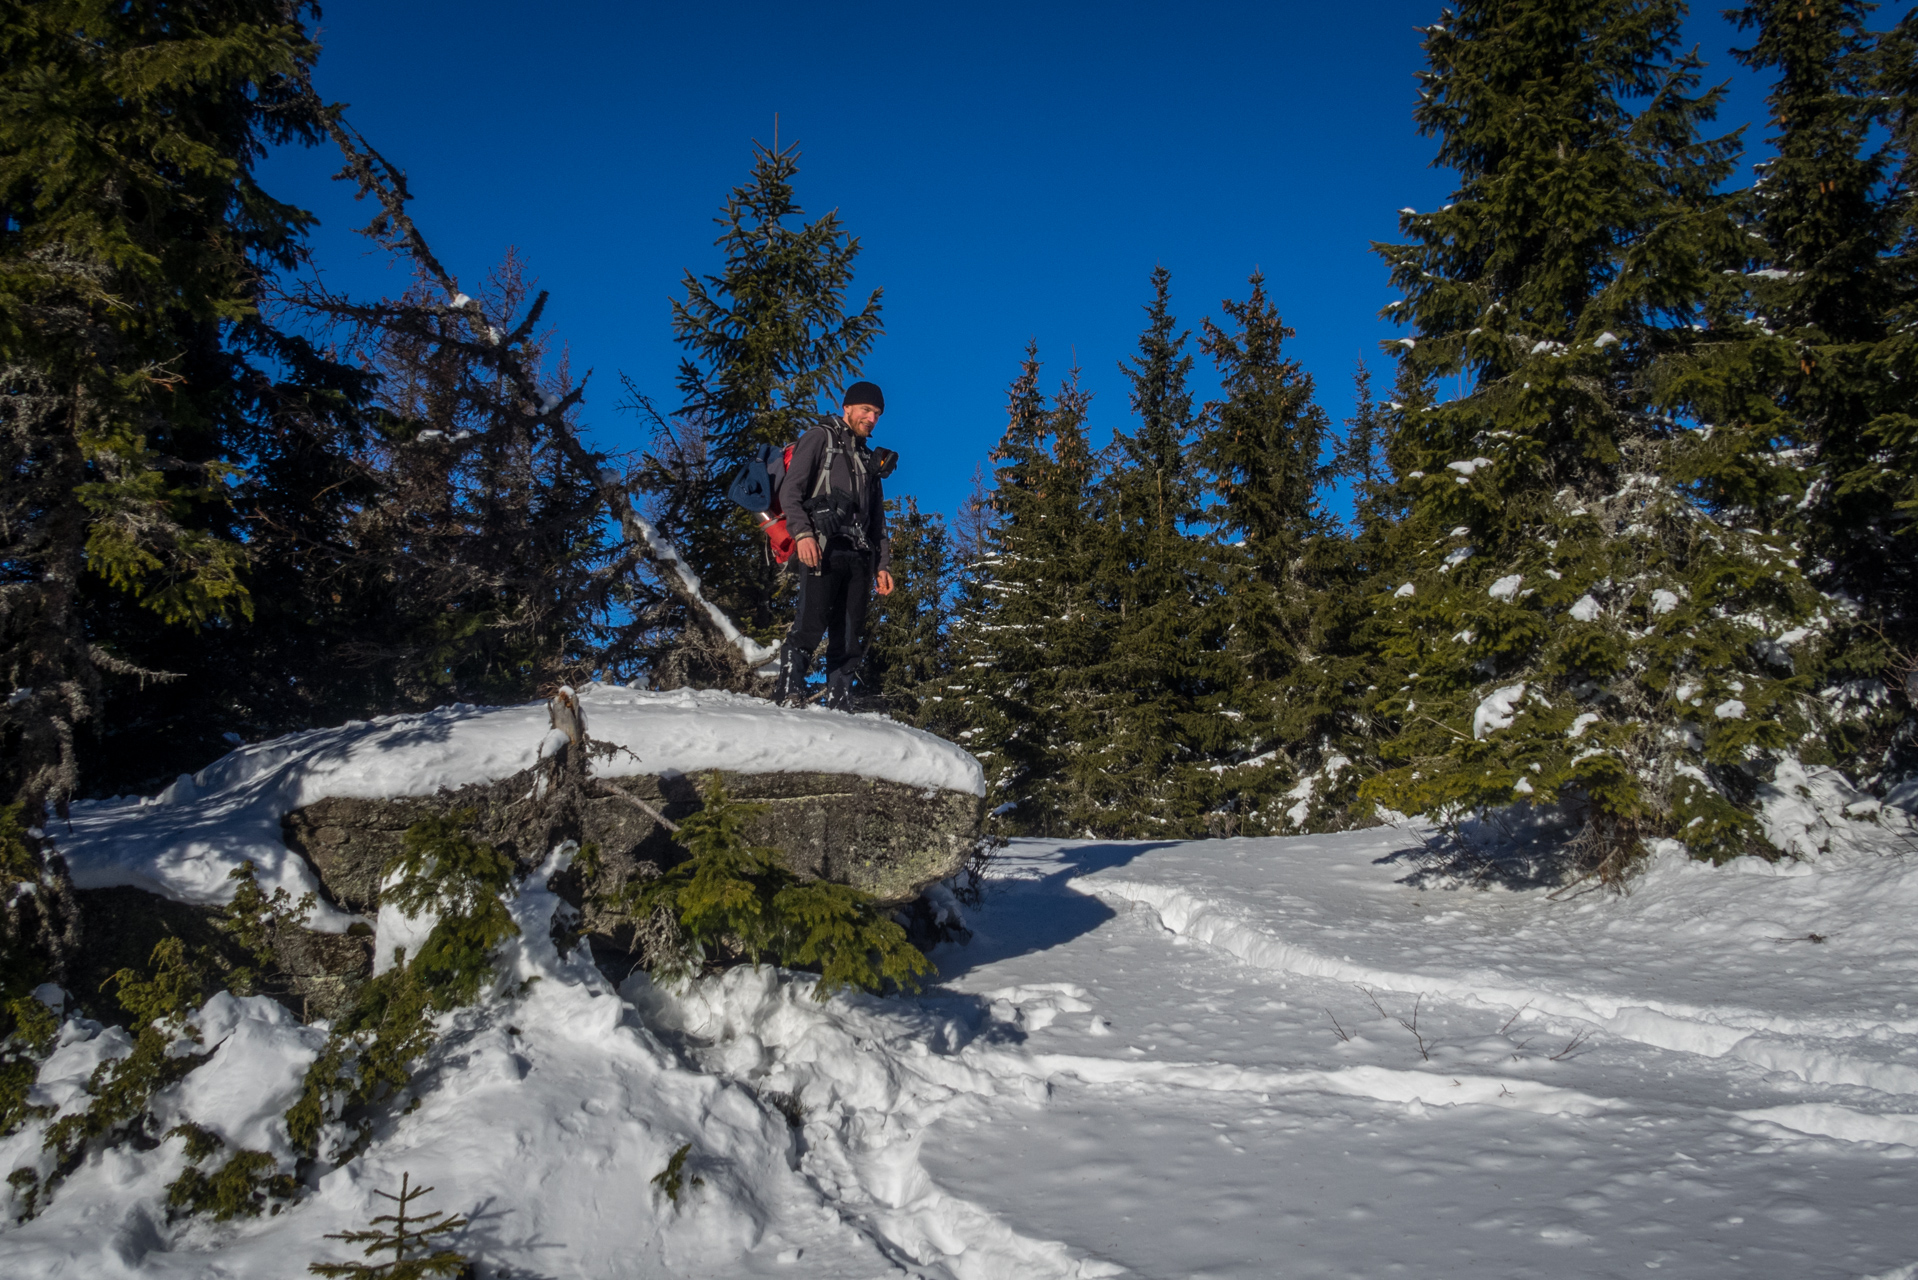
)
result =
(147, 401)
(1893, 471)
(156, 422)
(769, 341)
(479, 566)
(1260, 456)
(1562, 620)
(1028, 626)
(1150, 728)
(1786, 376)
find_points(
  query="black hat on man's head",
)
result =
(864, 393)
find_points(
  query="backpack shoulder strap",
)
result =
(822, 478)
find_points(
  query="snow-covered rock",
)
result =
(183, 843)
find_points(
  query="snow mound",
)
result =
(542, 1114)
(183, 842)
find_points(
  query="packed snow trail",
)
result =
(1200, 1060)
(1237, 1058)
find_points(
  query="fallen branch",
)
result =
(607, 788)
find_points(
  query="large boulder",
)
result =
(883, 838)
(854, 799)
(315, 974)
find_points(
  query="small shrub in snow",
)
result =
(442, 871)
(368, 1057)
(408, 1239)
(239, 1188)
(252, 919)
(672, 1179)
(740, 894)
(25, 1048)
(370, 1054)
(121, 1089)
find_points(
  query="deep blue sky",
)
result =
(1012, 172)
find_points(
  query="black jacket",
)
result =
(860, 481)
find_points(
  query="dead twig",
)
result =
(1343, 1036)
(1413, 1027)
(1568, 1050)
(1425, 1051)
(1514, 1018)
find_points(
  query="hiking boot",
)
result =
(790, 688)
(839, 691)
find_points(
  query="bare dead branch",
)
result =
(606, 788)
(1572, 1047)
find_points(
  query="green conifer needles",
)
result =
(407, 1237)
(672, 1180)
(442, 871)
(240, 1187)
(738, 894)
(370, 1055)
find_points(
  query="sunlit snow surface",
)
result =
(184, 842)
(1150, 1059)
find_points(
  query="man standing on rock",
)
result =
(835, 507)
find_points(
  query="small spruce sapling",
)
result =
(409, 1238)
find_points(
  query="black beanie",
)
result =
(864, 393)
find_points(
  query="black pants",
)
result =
(832, 603)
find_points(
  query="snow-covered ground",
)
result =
(1223, 1058)
(183, 842)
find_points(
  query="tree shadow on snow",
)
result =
(1019, 915)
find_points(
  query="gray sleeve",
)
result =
(798, 481)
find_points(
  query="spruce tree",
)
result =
(134, 240)
(480, 565)
(1560, 619)
(1148, 726)
(1787, 375)
(908, 650)
(769, 342)
(1892, 473)
(1260, 454)
(1028, 626)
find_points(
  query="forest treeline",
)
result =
(1632, 526)
(1632, 523)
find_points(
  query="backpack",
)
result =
(756, 488)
